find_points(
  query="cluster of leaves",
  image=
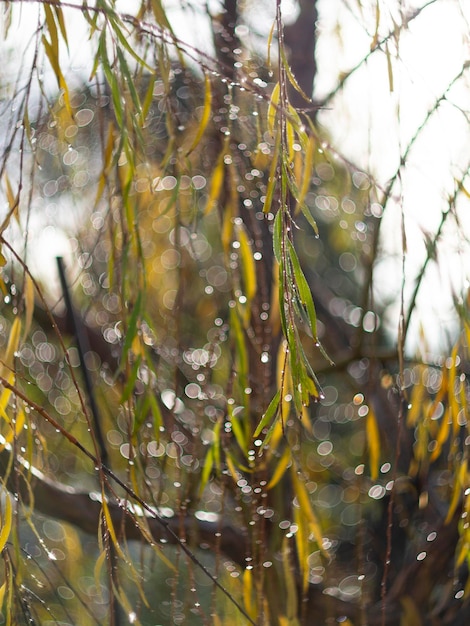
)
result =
(179, 392)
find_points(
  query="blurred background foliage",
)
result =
(237, 406)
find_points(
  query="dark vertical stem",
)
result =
(83, 347)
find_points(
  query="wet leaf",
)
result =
(273, 107)
(269, 414)
(247, 264)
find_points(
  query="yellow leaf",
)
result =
(307, 171)
(98, 567)
(6, 523)
(306, 509)
(248, 592)
(52, 55)
(443, 434)
(19, 423)
(290, 583)
(28, 303)
(460, 480)
(216, 183)
(248, 264)
(373, 443)
(411, 615)
(273, 106)
(231, 468)
(270, 39)
(280, 469)
(110, 529)
(206, 113)
(302, 545)
(453, 398)
(13, 343)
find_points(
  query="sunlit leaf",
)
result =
(290, 76)
(247, 264)
(268, 45)
(6, 522)
(248, 588)
(238, 429)
(373, 443)
(307, 510)
(281, 466)
(273, 107)
(28, 303)
(52, 55)
(389, 68)
(13, 343)
(306, 176)
(442, 435)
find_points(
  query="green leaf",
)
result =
(269, 413)
(272, 176)
(206, 470)
(238, 430)
(131, 329)
(130, 383)
(277, 238)
(303, 289)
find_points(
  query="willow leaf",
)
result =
(216, 183)
(303, 289)
(292, 79)
(306, 509)
(6, 523)
(281, 466)
(206, 114)
(273, 107)
(248, 264)
(373, 443)
(269, 413)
